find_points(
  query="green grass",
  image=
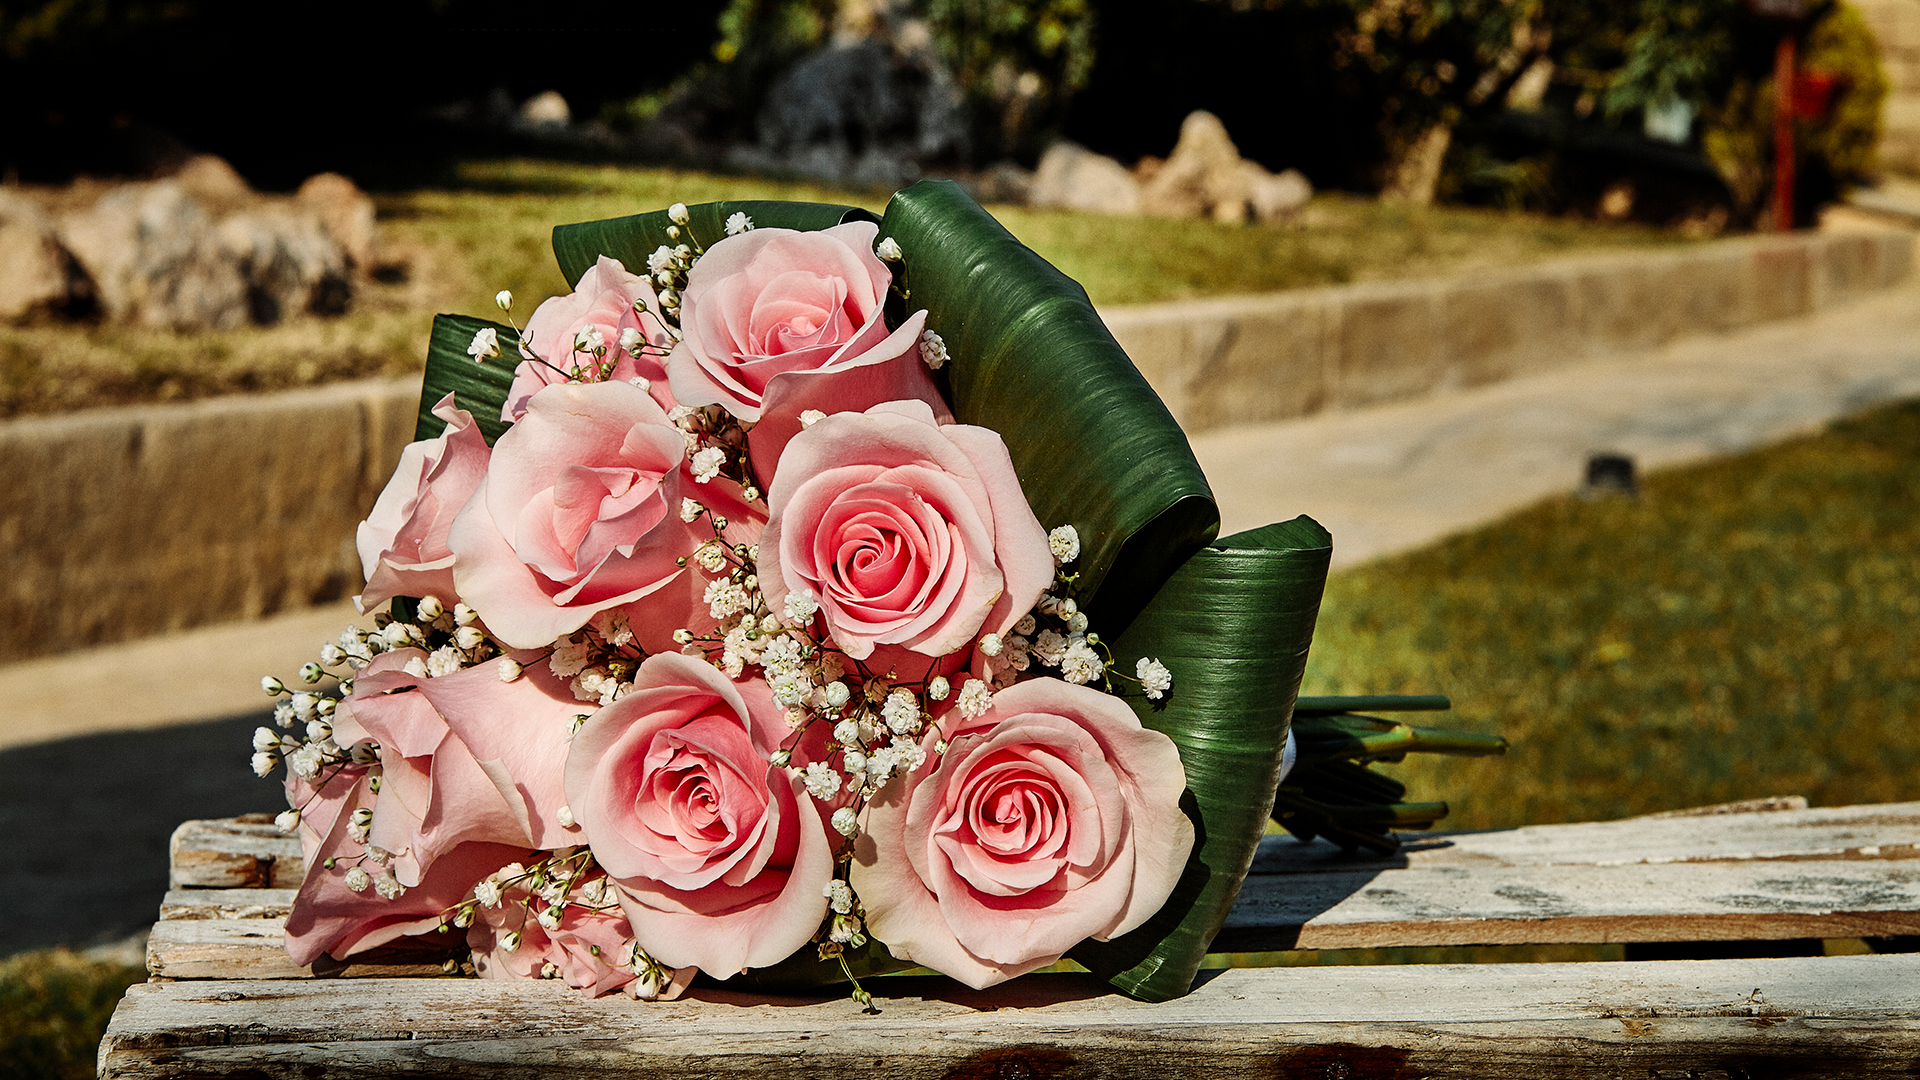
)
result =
(1744, 628)
(491, 231)
(54, 1007)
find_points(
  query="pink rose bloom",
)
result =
(906, 532)
(465, 758)
(776, 322)
(1052, 818)
(579, 513)
(603, 300)
(721, 858)
(403, 542)
(570, 948)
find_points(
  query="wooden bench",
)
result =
(224, 1000)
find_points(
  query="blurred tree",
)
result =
(1019, 62)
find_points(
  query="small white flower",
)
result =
(469, 637)
(990, 644)
(1077, 622)
(1065, 542)
(487, 893)
(821, 781)
(844, 821)
(738, 223)
(1154, 677)
(974, 700)
(660, 260)
(908, 754)
(305, 762)
(707, 462)
(630, 341)
(358, 880)
(485, 345)
(846, 732)
(845, 930)
(388, 886)
(711, 556)
(550, 920)
(589, 339)
(651, 983)
(503, 300)
(889, 250)
(939, 688)
(564, 815)
(510, 942)
(319, 730)
(839, 896)
(790, 689)
(837, 694)
(360, 825)
(287, 820)
(800, 607)
(272, 685)
(464, 615)
(1049, 647)
(689, 510)
(570, 657)
(1080, 664)
(283, 714)
(444, 661)
(901, 712)
(933, 350)
(265, 739)
(811, 417)
(677, 213)
(723, 598)
(509, 669)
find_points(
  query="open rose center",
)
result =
(690, 801)
(887, 553)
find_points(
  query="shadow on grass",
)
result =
(87, 822)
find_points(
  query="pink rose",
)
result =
(603, 302)
(579, 513)
(1052, 818)
(464, 757)
(777, 322)
(403, 542)
(721, 858)
(906, 532)
(588, 949)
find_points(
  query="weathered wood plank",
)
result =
(1526, 905)
(253, 948)
(226, 903)
(1815, 1016)
(235, 853)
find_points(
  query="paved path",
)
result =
(103, 752)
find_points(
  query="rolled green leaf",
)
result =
(480, 387)
(1232, 625)
(1092, 443)
(631, 239)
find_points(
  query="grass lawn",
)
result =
(1746, 627)
(459, 246)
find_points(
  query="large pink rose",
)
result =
(603, 300)
(579, 513)
(588, 949)
(1052, 818)
(907, 532)
(464, 757)
(777, 322)
(403, 542)
(721, 858)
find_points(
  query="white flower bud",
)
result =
(889, 250)
(503, 300)
(287, 820)
(677, 213)
(429, 608)
(939, 688)
(845, 822)
(265, 739)
(738, 223)
(564, 815)
(837, 694)
(273, 686)
(357, 880)
(263, 763)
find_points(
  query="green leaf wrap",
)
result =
(1233, 626)
(479, 388)
(1092, 443)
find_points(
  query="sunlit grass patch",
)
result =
(1746, 627)
(54, 1006)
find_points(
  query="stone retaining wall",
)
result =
(128, 522)
(1251, 359)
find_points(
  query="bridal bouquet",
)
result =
(804, 595)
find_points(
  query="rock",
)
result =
(1276, 198)
(1074, 177)
(546, 109)
(289, 262)
(38, 276)
(1004, 182)
(1147, 168)
(1202, 178)
(153, 258)
(347, 214)
(209, 181)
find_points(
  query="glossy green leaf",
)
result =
(631, 239)
(1233, 625)
(1092, 443)
(479, 388)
